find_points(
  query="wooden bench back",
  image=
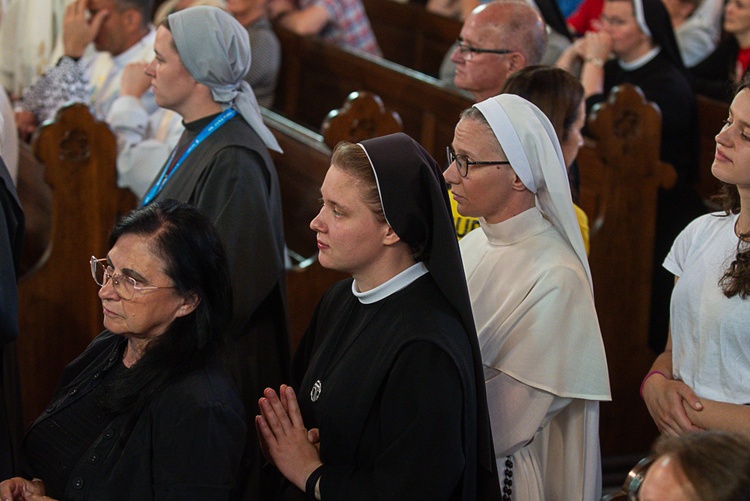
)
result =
(620, 175)
(316, 77)
(410, 35)
(59, 311)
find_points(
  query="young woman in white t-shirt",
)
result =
(702, 380)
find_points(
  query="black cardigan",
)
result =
(187, 443)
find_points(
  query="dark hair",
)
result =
(716, 463)
(553, 90)
(195, 261)
(144, 8)
(736, 279)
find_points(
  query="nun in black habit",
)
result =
(391, 403)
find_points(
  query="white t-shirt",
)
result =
(710, 332)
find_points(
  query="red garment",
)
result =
(582, 20)
(743, 58)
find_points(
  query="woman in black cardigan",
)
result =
(147, 411)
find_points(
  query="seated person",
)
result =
(697, 27)
(121, 33)
(147, 411)
(719, 73)
(496, 39)
(639, 34)
(340, 22)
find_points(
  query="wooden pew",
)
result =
(620, 175)
(410, 35)
(59, 311)
(316, 77)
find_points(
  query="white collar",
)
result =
(391, 285)
(641, 61)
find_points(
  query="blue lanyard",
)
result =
(207, 131)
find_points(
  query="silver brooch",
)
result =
(315, 392)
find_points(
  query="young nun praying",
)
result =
(392, 387)
(530, 288)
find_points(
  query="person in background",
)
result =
(497, 39)
(265, 47)
(531, 294)
(120, 31)
(148, 410)
(340, 22)
(30, 41)
(639, 33)
(697, 27)
(718, 75)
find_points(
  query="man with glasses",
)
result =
(497, 39)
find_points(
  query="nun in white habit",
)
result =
(531, 293)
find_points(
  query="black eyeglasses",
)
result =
(463, 162)
(467, 51)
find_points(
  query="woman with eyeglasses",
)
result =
(530, 287)
(391, 403)
(147, 412)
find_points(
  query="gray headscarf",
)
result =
(215, 49)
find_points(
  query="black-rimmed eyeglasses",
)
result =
(463, 162)
(467, 51)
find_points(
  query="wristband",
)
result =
(312, 481)
(595, 61)
(640, 392)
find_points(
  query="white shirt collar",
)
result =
(391, 286)
(641, 61)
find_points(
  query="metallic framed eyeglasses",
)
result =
(467, 51)
(125, 287)
(463, 162)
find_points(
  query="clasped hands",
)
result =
(668, 401)
(20, 489)
(284, 440)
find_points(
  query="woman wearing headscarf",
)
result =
(531, 293)
(148, 410)
(639, 34)
(391, 375)
(222, 165)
